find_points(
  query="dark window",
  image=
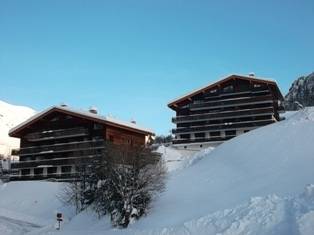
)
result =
(111, 138)
(198, 101)
(38, 171)
(66, 169)
(97, 126)
(230, 132)
(52, 170)
(185, 136)
(55, 119)
(228, 89)
(215, 133)
(26, 171)
(199, 135)
(246, 131)
(201, 146)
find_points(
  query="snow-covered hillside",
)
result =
(277, 158)
(257, 183)
(10, 116)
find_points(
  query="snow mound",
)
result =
(29, 206)
(267, 215)
(11, 116)
(275, 159)
(260, 215)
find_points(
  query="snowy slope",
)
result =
(10, 116)
(276, 159)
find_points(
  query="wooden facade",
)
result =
(53, 141)
(225, 109)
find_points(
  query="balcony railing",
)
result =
(56, 176)
(56, 134)
(58, 148)
(224, 126)
(224, 114)
(232, 102)
(202, 140)
(237, 94)
(81, 160)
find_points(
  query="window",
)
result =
(52, 170)
(66, 169)
(257, 85)
(213, 91)
(97, 126)
(215, 133)
(198, 101)
(111, 138)
(185, 136)
(228, 89)
(199, 135)
(25, 171)
(201, 146)
(38, 171)
(55, 119)
(228, 133)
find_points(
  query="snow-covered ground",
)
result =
(10, 116)
(257, 183)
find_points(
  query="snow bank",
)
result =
(10, 116)
(32, 201)
(259, 215)
(275, 159)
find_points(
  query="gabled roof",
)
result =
(225, 79)
(81, 114)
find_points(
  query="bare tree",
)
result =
(122, 183)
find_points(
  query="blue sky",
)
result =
(130, 58)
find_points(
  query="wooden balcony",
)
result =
(80, 160)
(56, 134)
(238, 94)
(59, 148)
(222, 127)
(231, 103)
(55, 176)
(224, 114)
(202, 140)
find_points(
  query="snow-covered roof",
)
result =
(96, 117)
(196, 91)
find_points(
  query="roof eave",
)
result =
(14, 131)
(195, 92)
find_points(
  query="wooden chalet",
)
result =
(225, 109)
(54, 140)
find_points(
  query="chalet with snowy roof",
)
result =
(224, 109)
(52, 141)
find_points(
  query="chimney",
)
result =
(252, 74)
(63, 105)
(93, 110)
(133, 121)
